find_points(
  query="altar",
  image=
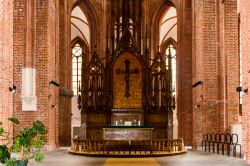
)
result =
(127, 141)
(123, 132)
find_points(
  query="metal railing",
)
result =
(224, 143)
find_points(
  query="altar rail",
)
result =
(124, 147)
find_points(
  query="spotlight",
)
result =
(196, 84)
(53, 106)
(245, 91)
(54, 83)
(241, 89)
(12, 89)
(198, 106)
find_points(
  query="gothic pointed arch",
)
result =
(81, 42)
(167, 42)
(91, 14)
(157, 15)
(164, 46)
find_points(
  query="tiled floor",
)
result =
(191, 158)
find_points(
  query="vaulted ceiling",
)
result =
(168, 25)
(79, 25)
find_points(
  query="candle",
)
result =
(139, 123)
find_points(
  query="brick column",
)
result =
(198, 72)
(232, 61)
(35, 45)
(245, 46)
(6, 62)
(184, 71)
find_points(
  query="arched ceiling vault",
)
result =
(79, 25)
(168, 25)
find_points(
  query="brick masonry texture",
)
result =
(184, 71)
(215, 52)
(35, 46)
(232, 66)
(244, 8)
(198, 50)
(6, 62)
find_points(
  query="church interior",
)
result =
(119, 80)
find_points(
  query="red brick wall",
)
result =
(53, 72)
(210, 67)
(198, 71)
(184, 71)
(244, 9)
(19, 52)
(215, 63)
(35, 46)
(64, 58)
(6, 62)
(232, 60)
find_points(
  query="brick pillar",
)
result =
(232, 61)
(184, 71)
(35, 45)
(198, 72)
(53, 73)
(6, 62)
(64, 73)
(215, 62)
(245, 47)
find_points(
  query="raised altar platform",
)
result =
(127, 140)
(126, 132)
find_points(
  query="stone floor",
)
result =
(191, 158)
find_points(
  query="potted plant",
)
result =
(28, 142)
(5, 148)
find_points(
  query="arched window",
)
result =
(171, 65)
(77, 52)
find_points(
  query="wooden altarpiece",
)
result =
(103, 103)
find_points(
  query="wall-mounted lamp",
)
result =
(241, 89)
(196, 84)
(54, 83)
(53, 106)
(197, 106)
(12, 89)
